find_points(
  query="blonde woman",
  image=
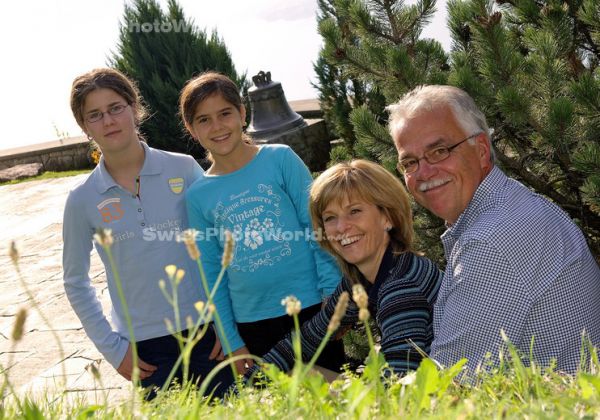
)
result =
(364, 212)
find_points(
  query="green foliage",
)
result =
(162, 60)
(511, 389)
(48, 175)
(532, 67)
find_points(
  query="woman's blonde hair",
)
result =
(373, 184)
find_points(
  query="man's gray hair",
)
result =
(429, 97)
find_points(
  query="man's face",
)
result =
(446, 187)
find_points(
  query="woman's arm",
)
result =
(312, 333)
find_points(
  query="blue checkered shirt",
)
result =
(515, 262)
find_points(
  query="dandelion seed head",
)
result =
(103, 237)
(408, 379)
(292, 305)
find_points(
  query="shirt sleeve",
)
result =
(484, 296)
(297, 181)
(78, 242)
(312, 333)
(211, 254)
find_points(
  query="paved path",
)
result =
(33, 218)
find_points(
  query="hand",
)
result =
(125, 369)
(242, 365)
(217, 350)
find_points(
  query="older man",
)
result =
(515, 261)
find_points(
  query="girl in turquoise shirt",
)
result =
(260, 194)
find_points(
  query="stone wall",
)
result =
(311, 143)
(60, 155)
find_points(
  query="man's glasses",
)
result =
(96, 116)
(410, 165)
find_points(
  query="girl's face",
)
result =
(217, 126)
(109, 120)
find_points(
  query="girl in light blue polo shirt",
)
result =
(260, 194)
(137, 192)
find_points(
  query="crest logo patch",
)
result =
(110, 210)
(176, 185)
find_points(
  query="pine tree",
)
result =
(531, 65)
(161, 51)
(375, 50)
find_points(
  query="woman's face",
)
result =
(357, 231)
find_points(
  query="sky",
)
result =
(47, 43)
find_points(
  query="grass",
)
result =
(48, 175)
(509, 390)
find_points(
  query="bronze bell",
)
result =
(270, 114)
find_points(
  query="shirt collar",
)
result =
(388, 262)
(486, 196)
(152, 166)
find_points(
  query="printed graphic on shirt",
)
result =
(254, 219)
(176, 185)
(110, 210)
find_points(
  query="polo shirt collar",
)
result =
(152, 166)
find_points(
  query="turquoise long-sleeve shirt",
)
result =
(265, 206)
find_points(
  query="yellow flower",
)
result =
(96, 156)
(340, 311)
(179, 275)
(188, 237)
(170, 269)
(292, 305)
(103, 237)
(199, 306)
(228, 250)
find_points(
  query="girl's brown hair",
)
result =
(105, 78)
(373, 184)
(200, 88)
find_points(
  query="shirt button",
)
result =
(143, 224)
(139, 210)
